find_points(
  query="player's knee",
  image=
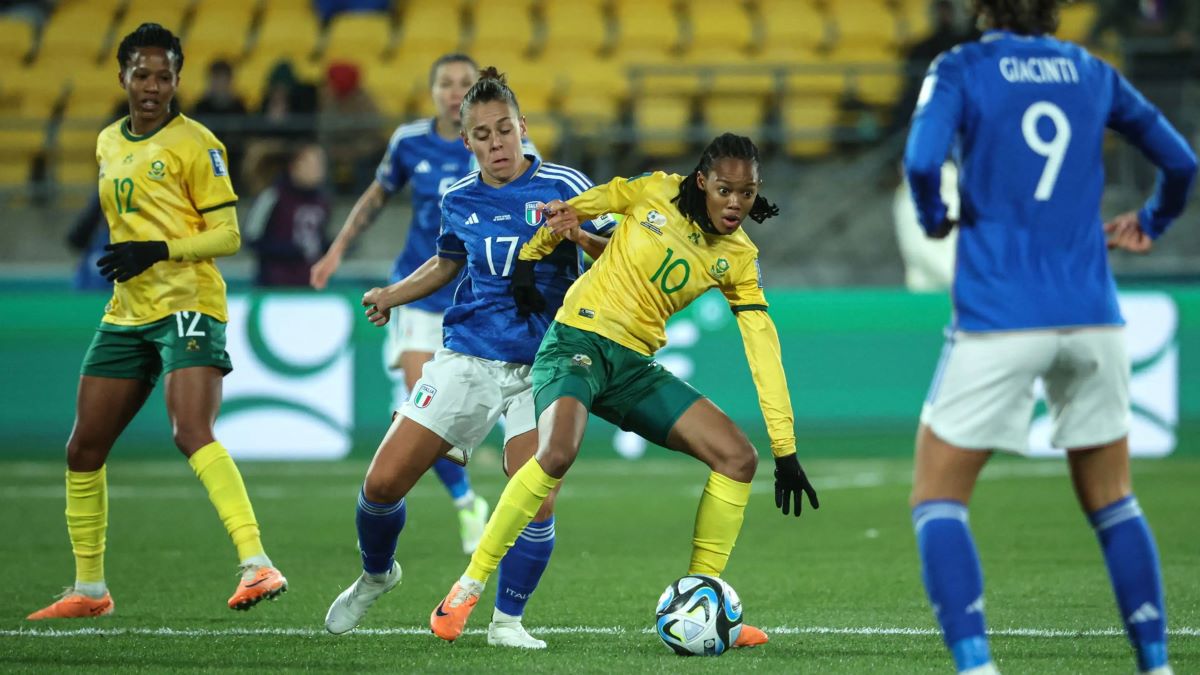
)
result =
(742, 465)
(190, 438)
(381, 490)
(84, 456)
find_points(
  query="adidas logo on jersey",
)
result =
(422, 167)
(472, 219)
(1147, 612)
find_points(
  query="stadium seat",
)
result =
(914, 20)
(1075, 21)
(573, 30)
(792, 30)
(34, 90)
(760, 82)
(76, 31)
(647, 31)
(217, 31)
(361, 37)
(809, 123)
(545, 134)
(538, 85)
(743, 115)
(720, 31)
(595, 92)
(430, 28)
(864, 32)
(661, 123)
(502, 31)
(394, 85)
(876, 87)
(21, 139)
(170, 13)
(16, 39)
(819, 78)
(285, 30)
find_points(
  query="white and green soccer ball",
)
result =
(699, 615)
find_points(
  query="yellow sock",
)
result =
(87, 522)
(518, 504)
(718, 522)
(216, 470)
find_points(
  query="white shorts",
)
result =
(411, 330)
(982, 395)
(460, 398)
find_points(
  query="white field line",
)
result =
(557, 630)
(824, 482)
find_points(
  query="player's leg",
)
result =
(981, 399)
(104, 407)
(1088, 397)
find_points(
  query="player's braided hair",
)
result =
(690, 199)
(491, 86)
(150, 35)
(1026, 17)
(453, 57)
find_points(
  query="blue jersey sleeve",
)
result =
(392, 174)
(934, 126)
(448, 243)
(1144, 126)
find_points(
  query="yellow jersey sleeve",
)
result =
(207, 176)
(220, 237)
(616, 196)
(761, 341)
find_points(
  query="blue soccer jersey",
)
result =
(416, 154)
(487, 226)
(1027, 118)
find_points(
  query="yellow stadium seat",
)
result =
(502, 28)
(864, 34)
(545, 133)
(761, 82)
(285, 31)
(742, 115)
(720, 31)
(14, 172)
(35, 89)
(169, 13)
(394, 85)
(76, 31)
(361, 37)
(647, 30)
(915, 19)
(219, 31)
(1075, 21)
(661, 124)
(809, 124)
(538, 85)
(16, 39)
(876, 87)
(793, 30)
(820, 78)
(80, 172)
(431, 27)
(573, 29)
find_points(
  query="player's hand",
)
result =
(318, 276)
(944, 228)
(1125, 232)
(529, 300)
(790, 481)
(379, 309)
(128, 259)
(563, 220)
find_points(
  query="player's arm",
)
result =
(934, 125)
(616, 196)
(432, 275)
(361, 217)
(763, 354)
(1145, 127)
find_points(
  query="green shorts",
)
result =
(620, 385)
(181, 340)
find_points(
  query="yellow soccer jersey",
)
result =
(657, 263)
(158, 187)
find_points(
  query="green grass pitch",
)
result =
(838, 589)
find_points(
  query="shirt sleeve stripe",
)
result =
(443, 253)
(748, 308)
(217, 207)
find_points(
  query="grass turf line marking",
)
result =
(559, 630)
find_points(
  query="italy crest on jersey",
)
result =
(424, 396)
(534, 213)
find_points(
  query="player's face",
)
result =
(493, 131)
(450, 84)
(730, 189)
(150, 80)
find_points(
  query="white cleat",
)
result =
(512, 634)
(1161, 670)
(470, 524)
(988, 668)
(351, 606)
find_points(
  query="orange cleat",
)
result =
(72, 605)
(450, 616)
(257, 584)
(750, 637)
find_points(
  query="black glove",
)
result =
(790, 481)
(129, 259)
(525, 293)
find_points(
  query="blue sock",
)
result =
(953, 579)
(453, 476)
(379, 526)
(1132, 560)
(522, 566)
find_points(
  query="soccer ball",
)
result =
(699, 615)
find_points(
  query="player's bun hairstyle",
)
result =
(690, 199)
(455, 57)
(150, 35)
(491, 86)
(1025, 17)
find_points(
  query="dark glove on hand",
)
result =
(529, 300)
(790, 481)
(944, 228)
(129, 259)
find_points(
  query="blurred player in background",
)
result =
(681, 236)
(1034, 296)
(928, 262)
(165, 190)
(483, 371)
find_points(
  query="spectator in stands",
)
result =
(1178, 20)
(948, 31)
(288, 223)
(350, 127)
(287, 116)
(222, 111)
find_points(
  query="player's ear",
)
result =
(121, 78)
(701, 180)
(521, 124)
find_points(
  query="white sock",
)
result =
(92, 589)
(471, 584)
(501, 617)
(466, 501)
